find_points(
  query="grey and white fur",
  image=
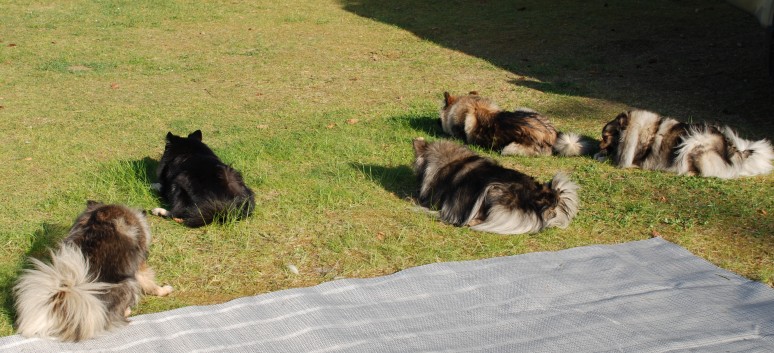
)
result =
(93, 279)
(644, 139)
(470, 190)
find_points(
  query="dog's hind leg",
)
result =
(145, 277)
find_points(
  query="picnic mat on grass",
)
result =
(644, 296)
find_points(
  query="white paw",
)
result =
(156, 186)
(158, 211)
(165, 290)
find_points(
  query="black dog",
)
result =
(198, 186)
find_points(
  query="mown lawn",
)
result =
(316, 102)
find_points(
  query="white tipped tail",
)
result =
(569, 144)
(568, 205)
(503, 219)
(698, 151)
(755, 157)
(60, 300)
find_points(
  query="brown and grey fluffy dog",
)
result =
(94, 277)
(198, 186)
(471, 190)
(523, 132)
(644, 139)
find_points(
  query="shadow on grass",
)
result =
(399, 180)
(692, 59)
(144, 172)
(45, 238)
(430, 126)
(144, 169)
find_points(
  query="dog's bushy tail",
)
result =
(567, 206)
(504, 217)
(61, 300)
(701, 153)
(752, 157)
(570, 144)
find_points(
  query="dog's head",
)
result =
(181, 145)
(449, 100)
(447, 117)
(172, 138)
(611, 133)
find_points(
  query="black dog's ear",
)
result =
(196, 135)
(169, 136)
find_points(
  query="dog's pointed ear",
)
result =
(169, 136)
(623, 120)
(420, 145)
(448, 99)
(196, 135)
(91, 204)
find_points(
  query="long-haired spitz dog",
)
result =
(524, 132)
(644, 139)
(95, 276)
(198, 186)
(471, 190)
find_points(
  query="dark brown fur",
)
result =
(468, 189)
(478, 121)
(94, 278)
(495, 128)
(103, 233)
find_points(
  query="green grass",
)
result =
(316, 102)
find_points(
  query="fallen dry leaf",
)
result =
(655, 234)
(12, 45)
(28, 159)
(292, 268)
(331, 125)
(262, 126)
(114, 85)
(380, 236)
(763, 212)
(352, 121)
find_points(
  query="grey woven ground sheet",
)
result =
(645, 296)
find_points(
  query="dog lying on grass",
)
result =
(471, 190)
